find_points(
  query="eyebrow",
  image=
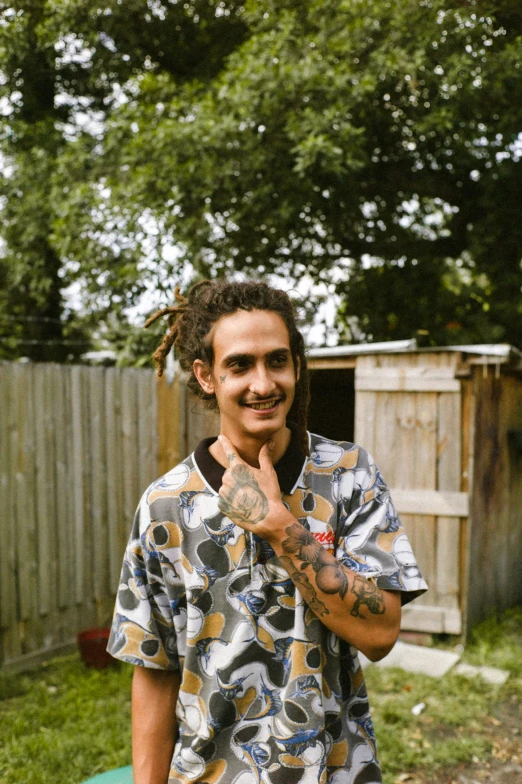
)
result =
(231, 358)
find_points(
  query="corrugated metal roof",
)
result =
(389, 346)
(500, 350)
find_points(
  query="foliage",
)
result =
(66, 64)
(76, 722)
(373, 146)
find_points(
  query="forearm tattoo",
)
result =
(245, 501)
(367, 593)
(305, 586)
(330, 575)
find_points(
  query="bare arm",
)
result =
(154, 724)
(349, 605)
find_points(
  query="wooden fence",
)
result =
(78, 445)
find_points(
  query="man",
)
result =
(256, 569)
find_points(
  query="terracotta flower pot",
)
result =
(92, 644)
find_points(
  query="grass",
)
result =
(64, 723)
(458, 724)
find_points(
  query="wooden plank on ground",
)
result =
(31, 661)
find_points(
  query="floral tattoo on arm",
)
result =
(330, 575)
(245, 501)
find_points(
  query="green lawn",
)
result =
(63, 723)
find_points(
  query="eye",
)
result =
(239, 364)
(280, 360)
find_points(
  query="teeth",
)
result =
(262, 406)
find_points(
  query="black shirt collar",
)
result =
(288, 468)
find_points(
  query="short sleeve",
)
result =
(142, 631)
(371, 539)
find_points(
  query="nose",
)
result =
(262, 384)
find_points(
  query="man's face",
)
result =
(253, 374)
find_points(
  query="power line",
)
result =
(51, 342)
(10, 317)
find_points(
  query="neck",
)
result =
(248, 449)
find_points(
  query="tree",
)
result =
(375, 145)
(65, 65)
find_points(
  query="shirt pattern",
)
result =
(268, 694)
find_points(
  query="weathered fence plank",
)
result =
(8, 578)
(79, 446)
(98, 460)
(76, 490)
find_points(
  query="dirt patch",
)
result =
(504, 733)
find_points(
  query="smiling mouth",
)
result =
(264, 405)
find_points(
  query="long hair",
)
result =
(190, 325)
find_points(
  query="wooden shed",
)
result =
(445, 428)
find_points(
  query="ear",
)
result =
(297, 369)
(204, 376)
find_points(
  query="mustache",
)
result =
(265, 399)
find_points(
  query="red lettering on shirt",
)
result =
(325, 537)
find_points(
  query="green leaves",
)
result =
(379, 140)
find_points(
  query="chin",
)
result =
(265, 429)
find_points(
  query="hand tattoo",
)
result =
(330, 576)
(245, 501)
(367, 593)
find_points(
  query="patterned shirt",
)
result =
(268, 694)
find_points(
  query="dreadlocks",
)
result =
(190, 325)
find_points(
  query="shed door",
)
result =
(408, 416)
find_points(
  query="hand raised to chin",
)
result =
(246, 493)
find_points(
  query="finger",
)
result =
(265, 457)
(228, 449)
